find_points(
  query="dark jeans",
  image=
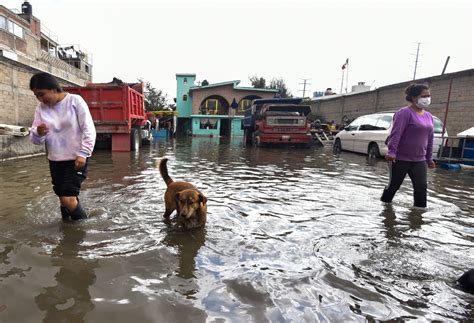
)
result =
(397, 172)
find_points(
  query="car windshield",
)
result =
(384, 122)
(438, 125)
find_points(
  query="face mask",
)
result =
(423, 103)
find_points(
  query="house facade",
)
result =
(214, 109)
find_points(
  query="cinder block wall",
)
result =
(387, 98)
(17, 102)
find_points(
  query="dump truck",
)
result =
(118, 111)
(278, 121)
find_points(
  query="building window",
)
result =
(12, 27)
(17, 30)
(245, 104)
(185, 81)
(208, 124)
(212, 105)
(3, 22)
(185, 97)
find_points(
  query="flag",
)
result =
(345, 64)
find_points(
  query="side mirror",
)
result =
(346, 128)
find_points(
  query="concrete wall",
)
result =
(17, 102)
(392, 97)
(13, 147)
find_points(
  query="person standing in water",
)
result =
(410, 145)
(63, 122)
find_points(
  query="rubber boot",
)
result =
(65, 213)
(79, 213)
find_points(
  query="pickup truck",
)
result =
(281, 122)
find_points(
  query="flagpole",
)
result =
(347, 74)
(342, 80)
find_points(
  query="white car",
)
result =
(367, 135)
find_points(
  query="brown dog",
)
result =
(189, 203)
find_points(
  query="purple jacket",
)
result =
(411, 138)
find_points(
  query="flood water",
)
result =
(293, 235)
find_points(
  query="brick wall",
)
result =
(461, 105)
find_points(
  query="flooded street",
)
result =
(293, 235)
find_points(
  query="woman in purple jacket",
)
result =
(410, 145)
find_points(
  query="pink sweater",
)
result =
(71, 128)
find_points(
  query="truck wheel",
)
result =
(135, 139)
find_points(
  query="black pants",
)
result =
(397, 172)
(66, 180)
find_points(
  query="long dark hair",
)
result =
(44, 81)
(414, 90)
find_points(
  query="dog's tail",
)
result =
(164, 171)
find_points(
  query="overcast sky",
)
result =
(225, 40)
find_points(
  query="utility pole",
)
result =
(304, 86)
(445, 65)
(416, 60)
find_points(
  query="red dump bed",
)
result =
(114, 108)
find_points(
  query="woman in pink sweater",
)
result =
(410, 145)
(63, 122)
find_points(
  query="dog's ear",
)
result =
(176, 197)
(202, 199)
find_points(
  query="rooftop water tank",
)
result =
(26, 8)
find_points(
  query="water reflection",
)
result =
(187, 245)
(69, 300)
(415, 218)
(390, 220)
(394, 227)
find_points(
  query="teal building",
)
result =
(214, 110)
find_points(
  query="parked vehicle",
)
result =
(367, 135)
(277, 121)
(118, 112)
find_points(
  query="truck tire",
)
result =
(135, 140)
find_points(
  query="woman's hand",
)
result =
(42, 130)
(80, 163)
(389, 158)
(431, 164)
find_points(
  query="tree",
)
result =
(155, 100)
(279, 84)
(205, 83)
(258, 82)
